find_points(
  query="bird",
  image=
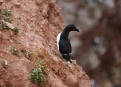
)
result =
(63, 43)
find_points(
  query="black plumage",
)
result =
(63, 43)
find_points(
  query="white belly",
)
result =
(58, 39)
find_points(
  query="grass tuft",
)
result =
(16, 30)
(5, 15)
(4, 26)
(38, 74)
(27, 54)
(15, 51)
(7, 12)
(7, 19)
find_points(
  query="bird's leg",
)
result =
(68, 62)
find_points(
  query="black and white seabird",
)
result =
(63, 43)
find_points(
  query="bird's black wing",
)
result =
(65, 46)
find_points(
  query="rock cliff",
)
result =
(38, 22)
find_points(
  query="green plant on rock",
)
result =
(16, 30)
(4, 26)
(54, 52)
(27, 54)
(7, 19)
(37, 76)
(40, 64)
(15, 51)
(7, 12)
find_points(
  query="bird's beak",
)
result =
(77, 30)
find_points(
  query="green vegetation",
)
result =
(37, 75)
(54, 52)
(16, 30)
(15, 51)
(4, 26)
(40, 64)
(27, 54)
(8, 19)
(7, 12)
(5, 15)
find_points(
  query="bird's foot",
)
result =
(69, 64)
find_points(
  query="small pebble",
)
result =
(5, 64)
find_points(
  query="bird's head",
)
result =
(71, 27)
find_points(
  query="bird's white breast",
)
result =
(58, 39)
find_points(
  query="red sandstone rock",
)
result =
(39, 22)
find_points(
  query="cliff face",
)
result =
(38, 22)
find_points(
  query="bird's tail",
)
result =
(67, 57)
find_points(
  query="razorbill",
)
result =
(63, 43)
